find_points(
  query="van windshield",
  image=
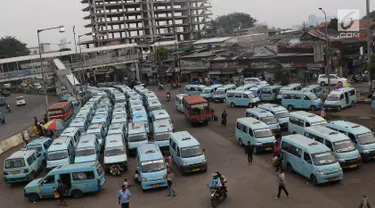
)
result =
(158, 107)
(162, 136)
(57, 155)
(269, 120)
(220, 92)
(366, 138)
(344, 146)
(206, 91)
(153, 166)
(191, 151)
(137, 137)
(80, 152)
(333, 98)
(114, 151)
(14, 163)
(263, 133)
(324, 158)
(37, 147)
(283, 114)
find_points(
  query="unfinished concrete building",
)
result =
(146, 21)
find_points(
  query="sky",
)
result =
(22, 18)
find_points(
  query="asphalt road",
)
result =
(22, 117)
(248, 185)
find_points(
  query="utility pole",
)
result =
(369, 48)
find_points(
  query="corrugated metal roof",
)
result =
(212, 40)
(65, 53)
(164, 43)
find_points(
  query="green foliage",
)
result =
(333, 24)
(281, 74)
(230, 23)
(161, 54)
(11, 47)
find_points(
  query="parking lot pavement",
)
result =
(248, 185)
(23, 116)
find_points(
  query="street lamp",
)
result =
(327, 51)
(61, 30)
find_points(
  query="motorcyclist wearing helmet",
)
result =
(216, 181)
(168, 95)
(222, 180)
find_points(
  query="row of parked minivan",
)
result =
(292, 96)
(316, 149)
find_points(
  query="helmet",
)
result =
(214, 174)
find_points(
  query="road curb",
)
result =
(15, 140)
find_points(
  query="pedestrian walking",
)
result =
(364, 202)
(249, 149)
(281, 181)
(224, 118)
(124, 197)
(60, 191)
(171, 183)
(126, 182)
(45, 118)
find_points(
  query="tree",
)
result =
(232, 22)
(280, 73)
(11, 47)
(161, 54)
(333, 24)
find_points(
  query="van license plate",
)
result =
(15, 172)
(352, 166)
(196, 170)
(332, 179)
(269, 148)
(155, 186)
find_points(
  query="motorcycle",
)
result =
(8, 108)
(160, 87)
(115, 170)
(356, 79)
(216, 197)
(2, 118)
(168, 97)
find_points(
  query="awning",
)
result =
(173, 69)
(185, 72)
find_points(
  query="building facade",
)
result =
(133, 21)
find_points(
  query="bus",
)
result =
(62, 110)
(196, 109)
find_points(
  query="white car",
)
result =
(20, 101)
(254, 80)
(334, 79)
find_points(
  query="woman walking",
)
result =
(281, 181)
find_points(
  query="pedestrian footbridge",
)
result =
(68, 68)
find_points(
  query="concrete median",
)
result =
(15, 140)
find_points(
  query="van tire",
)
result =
(312, 108)
(76, 194)
(352, 104)
(313, 180)
(33, 197)
(339, 108)
(289, 168)
(232, 105)
(322, 84)
(290, 107)
(250, 105)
